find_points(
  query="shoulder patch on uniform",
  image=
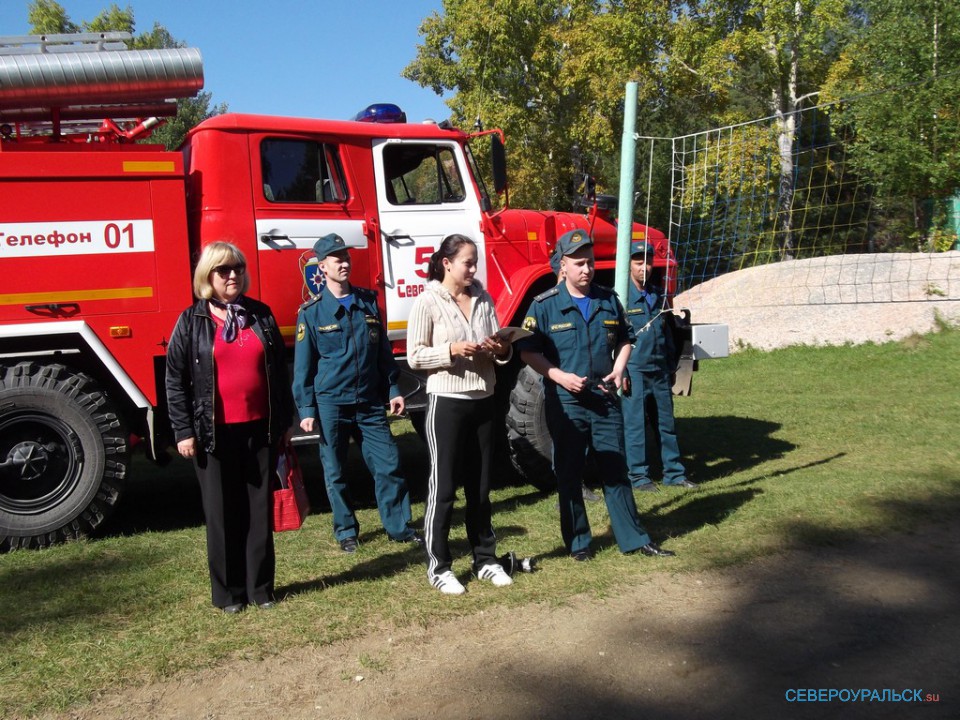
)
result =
(529, 323)
(311, 301)
(301, 331)
(547, 293)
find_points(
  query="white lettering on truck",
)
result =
(89, 237)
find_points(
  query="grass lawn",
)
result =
(793, 447)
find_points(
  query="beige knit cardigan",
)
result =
(435, 323)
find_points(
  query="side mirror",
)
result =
(498, 162)
(589, 190)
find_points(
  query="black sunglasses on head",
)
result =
(225, 270)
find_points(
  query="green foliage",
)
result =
(190, 112)
(49, 17)
(113, 19)
(158, 37)
(550, 74)
(903, 69)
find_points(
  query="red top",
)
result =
(241, 377)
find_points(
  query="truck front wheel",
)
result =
(63, 455)
(531, 449)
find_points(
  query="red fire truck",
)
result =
(97, 234)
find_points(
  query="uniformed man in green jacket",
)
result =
(651, 365)
(343, 373)
(580, 345)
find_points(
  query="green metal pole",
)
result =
(956, 220)
(625, 210)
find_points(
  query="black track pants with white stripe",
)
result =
(460, 439)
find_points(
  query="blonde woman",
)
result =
(229, 404)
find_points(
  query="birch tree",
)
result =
(762, 54)
(899, 83)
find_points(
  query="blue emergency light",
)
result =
(381, 113)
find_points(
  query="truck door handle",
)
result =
(397, 237)
(272, 240)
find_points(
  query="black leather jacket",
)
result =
(190, 380)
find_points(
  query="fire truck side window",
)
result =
(422, 175)
(301, 171)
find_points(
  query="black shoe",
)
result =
(512, 564)
(349, 545)
(233, 609)
(268, 605)
(508, 562)
(589, 495)
(654, 550)
(413, 538)
(582, 555)
(646, 487)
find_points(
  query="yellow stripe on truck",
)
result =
(143, 166)
(65, 296)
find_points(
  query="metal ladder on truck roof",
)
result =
(66, 42)
(79, 87)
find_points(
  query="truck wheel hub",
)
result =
(31, 457)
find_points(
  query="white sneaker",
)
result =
(448, 584)
(495, 574)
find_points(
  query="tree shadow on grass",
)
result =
(400, 557)
(383, 566)
(688, 512)
(683, 512)
(845, 610)
(715, 447)
(380, 567)
(156, 499)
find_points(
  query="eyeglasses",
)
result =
(225, 270)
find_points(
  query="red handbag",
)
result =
(290, 502)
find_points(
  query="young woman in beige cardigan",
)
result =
(452, 334)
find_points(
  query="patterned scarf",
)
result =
(236, 318)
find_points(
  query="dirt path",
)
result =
(875, 613)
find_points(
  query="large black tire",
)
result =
(531, 449)
(63, 455)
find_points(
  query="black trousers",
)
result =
(460, 440)
(236, 484)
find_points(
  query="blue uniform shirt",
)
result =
(342, 355)
(583, 346)
(654, 349)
